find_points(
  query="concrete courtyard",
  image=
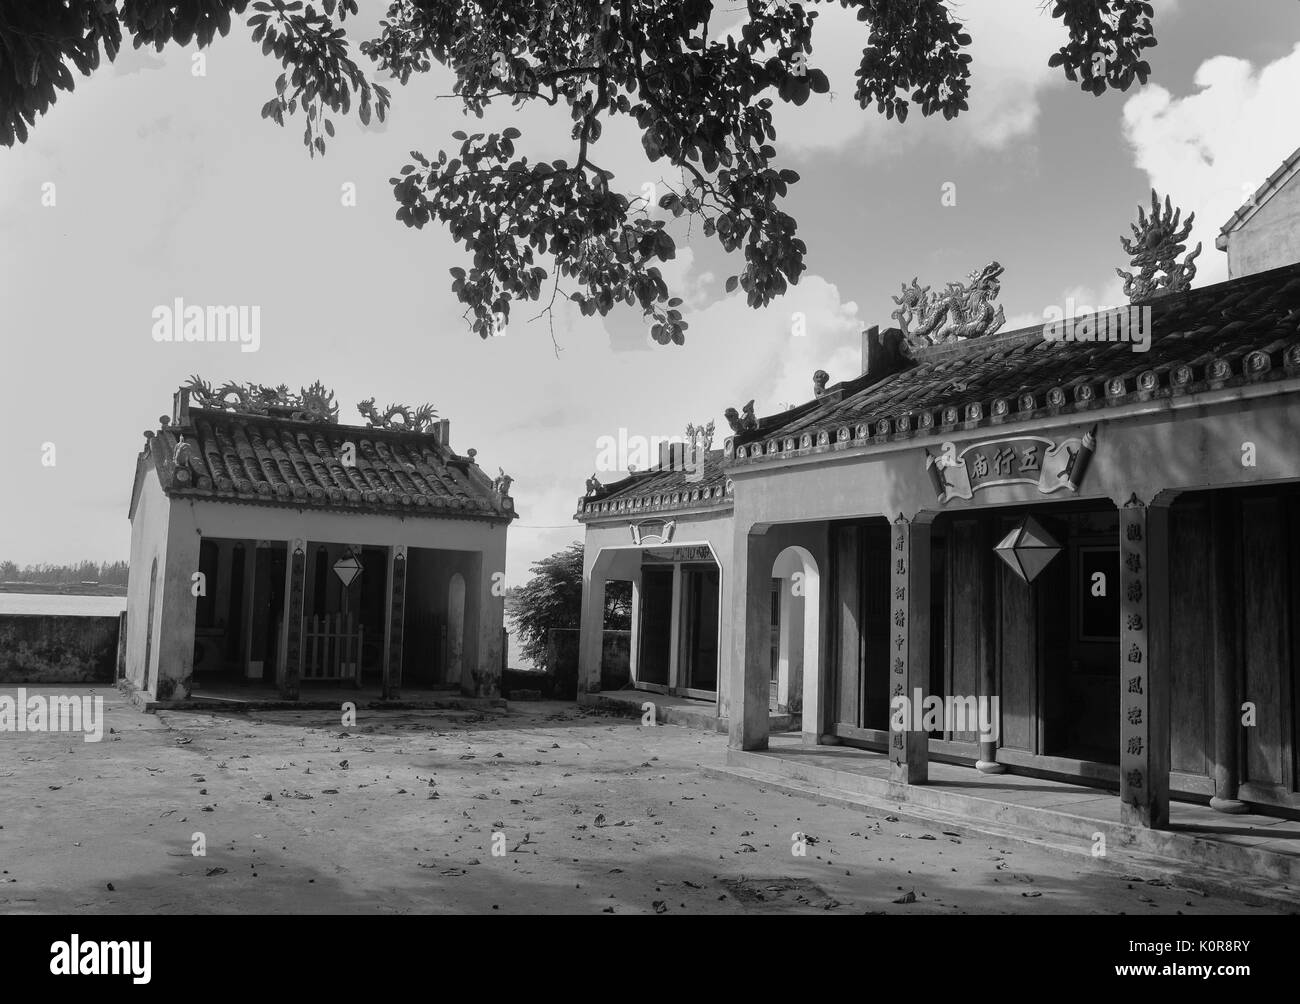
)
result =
(401, 813)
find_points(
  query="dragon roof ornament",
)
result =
(1157, 242)
(310, 404)
(959, 312)
(419, 419)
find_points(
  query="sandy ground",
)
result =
(397, 814)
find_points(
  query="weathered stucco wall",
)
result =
(148, 543)
(1270, 238)
(1142, 448)
(48, 648)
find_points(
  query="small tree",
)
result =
(552, 598)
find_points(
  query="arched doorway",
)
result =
(796, 621)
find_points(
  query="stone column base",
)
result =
(1229, 805)
(988, 767)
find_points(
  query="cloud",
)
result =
(1211, 149)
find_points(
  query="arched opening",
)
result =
(455, 627)
(148, 628)
(796, 619)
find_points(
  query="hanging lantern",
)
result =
(1028, 549)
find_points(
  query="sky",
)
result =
(168, 184)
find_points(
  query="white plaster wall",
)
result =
(148, 541)
(1270, 238)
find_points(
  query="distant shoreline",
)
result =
(62, 589)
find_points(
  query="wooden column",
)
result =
(1227, 730)
(676, 630)
(1144, 664)
(910, 647)
(392, 685)
(259, 585)
(295, 595)
(987, 762)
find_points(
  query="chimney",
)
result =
(882, 352)
(444, 433)
(181, 407)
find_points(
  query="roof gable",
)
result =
(1277, 181)
(661, 489)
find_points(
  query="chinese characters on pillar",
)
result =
(1134, 744)
(900, 584)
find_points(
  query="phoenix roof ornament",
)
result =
(1157, 242)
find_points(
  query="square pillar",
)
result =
(490, 610)
(1144, 664)
(750, 668)
(175, 612)
(392, 681)
(294, 598)
(909, 647)
(634, 639)
(591, 632)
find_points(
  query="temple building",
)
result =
(668, 531)
(1070, 551)
(273, 547)
(1095, 521)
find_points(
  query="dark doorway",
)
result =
(656, 625)
(700, 624)
(373, 591)
(268, 608)
(1079, 624)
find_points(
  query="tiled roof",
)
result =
(1245, 331)
(279, 461)
(661, 490)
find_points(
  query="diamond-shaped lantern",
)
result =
(1028, 549)
(347, 568)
